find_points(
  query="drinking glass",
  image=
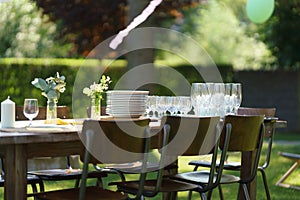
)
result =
(152, 104)
(173, 105)
(218, 99)
(228, 98)
(31, 109)
(185, 104)
(195, 94)
(237, 96)
(148, 108)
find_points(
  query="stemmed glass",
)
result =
(195, 96)
(185, 104)
(229, 101)
(237, 95)
(31, 109)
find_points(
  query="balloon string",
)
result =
(136, 21)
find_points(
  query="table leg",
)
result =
(15, 166)
(247, 161)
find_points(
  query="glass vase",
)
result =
(51, 113)
(95, 108)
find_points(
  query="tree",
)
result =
(89, 22)
(225, 36)
(281, 34)
(25, 32)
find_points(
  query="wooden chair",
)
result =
(246, 134)
(296, 159)
(269, 114)
(188, 136)
(105, 142)
(68, 163)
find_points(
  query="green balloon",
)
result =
(259, 11)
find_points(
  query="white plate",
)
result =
(127, 92)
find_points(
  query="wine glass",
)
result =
(185, 104)
(195, 94)
(237, 94)
(228, 98)
(31, 109)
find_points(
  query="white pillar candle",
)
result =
(7, 113)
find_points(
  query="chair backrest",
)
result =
(268, 112)
(245, 132)
(246, 135)
(115, 141)
(63, 112)
(190, 135)
(269, 126)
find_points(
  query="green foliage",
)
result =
(16, 76)
(225, 37)
(281, 34)
(25, 32)
(51, 87)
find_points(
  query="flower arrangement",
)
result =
(96, 89)
(51, 87)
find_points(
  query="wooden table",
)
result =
(19, 145)
(16, 146)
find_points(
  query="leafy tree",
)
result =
(225, 36)
(92, 21)
(281, 34)
(25, 32)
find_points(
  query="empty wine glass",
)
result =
(237, 95)
(228, 98)
(31, 109)
(185, 104)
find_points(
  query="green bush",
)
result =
(16, 75)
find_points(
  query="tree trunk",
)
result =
(137, 59)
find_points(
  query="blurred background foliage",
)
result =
(26, 32)
(38, 28)
(52, 29)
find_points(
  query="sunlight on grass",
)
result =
(277, 168)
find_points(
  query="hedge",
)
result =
(16, 75)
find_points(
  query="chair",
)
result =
(203, 136)
(69, 163)
(269, 113)
(107, 142)
(296, 159)
(32, 180)
(246, 134)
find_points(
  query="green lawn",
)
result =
(277, 168)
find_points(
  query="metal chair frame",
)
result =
(269, 134)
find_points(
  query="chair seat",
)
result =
(202, 177)
(228, 165)
(136, 167)
(92, 193)
(168, 185)
(31, 179)
(65, 174)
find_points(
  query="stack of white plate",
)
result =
(126, 103)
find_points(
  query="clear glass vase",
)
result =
(51, 113)
(95, 108)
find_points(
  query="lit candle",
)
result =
(7, 113)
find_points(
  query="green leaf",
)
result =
(52, 94)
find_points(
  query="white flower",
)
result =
(95, 90)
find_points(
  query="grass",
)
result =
(276, 169)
